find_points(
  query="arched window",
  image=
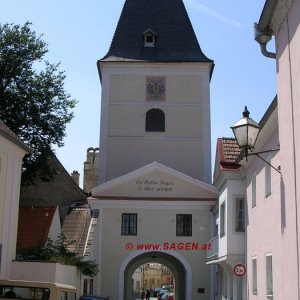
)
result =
(155, 120)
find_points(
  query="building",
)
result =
(274, 268)
(155, 102)
(155, 168)
(36, 225)
(228, 223)
(91, 169)
(12, 151)
(269, 175)
(61, 191)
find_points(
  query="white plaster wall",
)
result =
(125, 144)
(235, 240)
(47, 272)
(55, 228)
(288, 91)
(223, 240)
(150, 222)
(11, 157)
(265, 230)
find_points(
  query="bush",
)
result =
(58, 252)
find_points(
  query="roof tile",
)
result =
(76, 228)
(175, 37)
(34, 225)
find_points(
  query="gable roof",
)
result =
(34, 226)
(9, 134)
(61, 191)
(155, 182)
(176, 40)
(227, 153)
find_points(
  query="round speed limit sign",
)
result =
(239, 270)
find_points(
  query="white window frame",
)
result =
(254, 275)
(253, 189)
(268, 178)
(149, 44)
(269, 275)
(238, 210)
(222, 219)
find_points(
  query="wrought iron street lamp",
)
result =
(246, 132)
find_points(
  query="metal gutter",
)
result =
(267, 12)
(262, 31)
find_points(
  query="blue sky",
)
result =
(79, 33)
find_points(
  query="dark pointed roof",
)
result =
(175, 37)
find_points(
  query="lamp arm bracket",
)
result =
(257, 154)
(261, 152)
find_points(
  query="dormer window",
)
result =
(149, 38)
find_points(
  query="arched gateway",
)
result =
(175, 262)
(155, 181)
(153, 214)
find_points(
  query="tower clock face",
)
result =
(155, 88)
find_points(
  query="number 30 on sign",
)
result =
(239, 270)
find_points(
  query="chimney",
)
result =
(75, 176)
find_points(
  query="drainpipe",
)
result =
(263, 37)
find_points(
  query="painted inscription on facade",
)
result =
(154, 185)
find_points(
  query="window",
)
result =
(222, 220)
(155, 120)
(149, 38)
(72, 296)
(240, 215)
(63, 295)
(85, 286)
(239, 288)
(268, 179)
(129, 224)
(13, 290)
(269, 276)
(254, 275)
(254, 191)
(224, 286)
(91, 286)
(183, 225)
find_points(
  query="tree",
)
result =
(58, 252)
(33, 101)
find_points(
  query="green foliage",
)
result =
(33, 101)
(58, 252)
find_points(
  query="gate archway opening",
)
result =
(152, 276)
(178, 267)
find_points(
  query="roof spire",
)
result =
(174, 38)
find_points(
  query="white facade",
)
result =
(157, 195)
(228, 231)
(265, 228)
(155, 168)
(11, 155)
(46, 272)
(124, 143)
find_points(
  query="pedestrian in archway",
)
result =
(142, 294)
(147, 295)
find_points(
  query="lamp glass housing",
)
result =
(246, 132)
